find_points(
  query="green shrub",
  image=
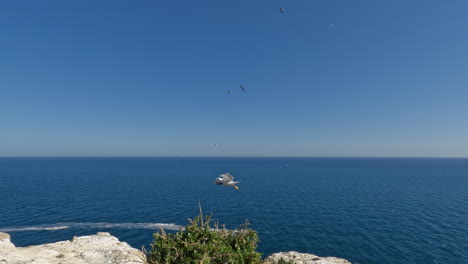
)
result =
(201, 243)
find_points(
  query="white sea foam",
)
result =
(60, 226)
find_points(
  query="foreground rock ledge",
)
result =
(303, 258)
(103, 248)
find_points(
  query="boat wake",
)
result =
(33, 228)
(60, 226)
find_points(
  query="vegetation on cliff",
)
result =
(200, 242)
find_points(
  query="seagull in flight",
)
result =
(282, 10)
(226, 179)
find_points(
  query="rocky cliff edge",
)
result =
(103, 248)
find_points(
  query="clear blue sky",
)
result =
(150, 78)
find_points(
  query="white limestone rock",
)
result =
(5, 241)
(303, 258)
(101, 248)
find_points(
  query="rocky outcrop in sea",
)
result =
(103, 248)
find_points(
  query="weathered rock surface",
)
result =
(101, 248)
(303, 258)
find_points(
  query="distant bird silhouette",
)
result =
(282, 10)
(229, 92)
(332, 25)
(242, 88)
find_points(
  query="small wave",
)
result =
(34, 228)
(61, 226)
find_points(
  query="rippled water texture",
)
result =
(364, 210)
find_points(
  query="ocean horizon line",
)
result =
(247, 157)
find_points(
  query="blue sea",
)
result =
(366, 210)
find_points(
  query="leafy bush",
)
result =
(201, 243)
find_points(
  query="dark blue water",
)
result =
(363, 210)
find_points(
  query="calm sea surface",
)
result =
(363, 210)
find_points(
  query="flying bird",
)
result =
(242, 88)
(226, 179)
(282, 10)
(332, 25)
(229, 92)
